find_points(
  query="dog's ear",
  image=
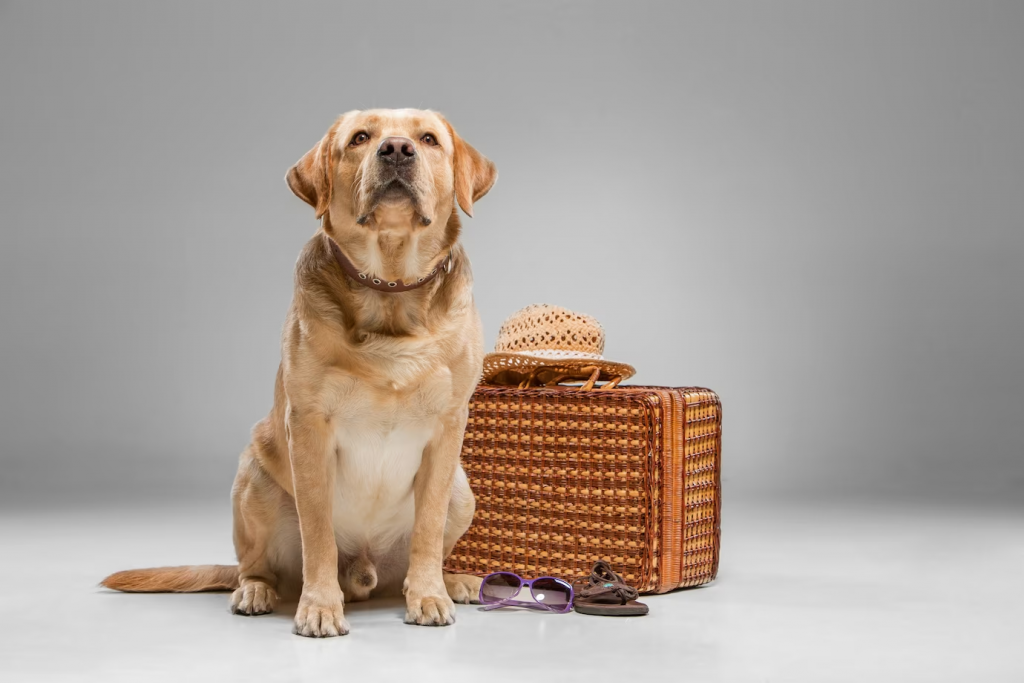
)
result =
(474, 173)
(312, 178)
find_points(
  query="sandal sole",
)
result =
(634, 610)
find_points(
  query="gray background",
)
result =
(813, 208)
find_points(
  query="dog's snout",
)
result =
(396, 150)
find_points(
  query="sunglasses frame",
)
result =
(523, 583)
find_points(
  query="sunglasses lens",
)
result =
(551, 592)
(498, 587)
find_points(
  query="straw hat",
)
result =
(549, 344)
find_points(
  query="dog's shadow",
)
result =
(378, 609)
(374, 609)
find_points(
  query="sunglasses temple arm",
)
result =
(494, 605)
(524, 603)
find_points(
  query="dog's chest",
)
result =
(381, 431)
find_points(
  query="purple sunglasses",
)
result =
(550, 594)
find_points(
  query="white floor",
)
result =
(840, 593)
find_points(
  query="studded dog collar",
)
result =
(392, 286)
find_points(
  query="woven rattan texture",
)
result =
(563, 478)
(703, 489)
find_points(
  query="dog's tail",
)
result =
(195, 579)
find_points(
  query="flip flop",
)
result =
(605, 594)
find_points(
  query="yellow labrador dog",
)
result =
(352, 486)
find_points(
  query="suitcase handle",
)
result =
(552, 375)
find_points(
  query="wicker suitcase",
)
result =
(565, 477)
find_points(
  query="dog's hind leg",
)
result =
(462, 588)
(257, 501)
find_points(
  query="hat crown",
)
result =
(544, 327)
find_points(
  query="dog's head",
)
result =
(391, 166)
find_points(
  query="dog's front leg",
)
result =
(311, 444)
(426, 598)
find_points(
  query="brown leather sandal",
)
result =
(605, 594)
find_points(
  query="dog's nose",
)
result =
(396, 150)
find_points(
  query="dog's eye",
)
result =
(428, 139)
(358, 139)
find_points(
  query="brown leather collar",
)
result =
(384, 285)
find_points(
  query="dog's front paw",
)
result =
(432, 610)
(253, 599)
(463, 588)
(320, 618)
(427, 604)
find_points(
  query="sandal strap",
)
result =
(603, 582)
(623, 593)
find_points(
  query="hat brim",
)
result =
(512, 368)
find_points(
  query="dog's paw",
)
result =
(253, 599)
(463, 588)
(320, 618)
(429, 610)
